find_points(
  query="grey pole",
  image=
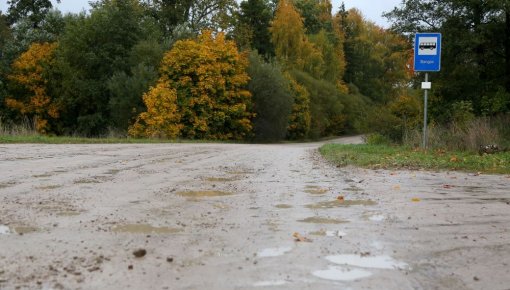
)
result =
(425, 113)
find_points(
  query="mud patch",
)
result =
(322, 220)
(25, 230)
(377, 262)
(199, 194)
(336, 273)
(144, 229)
(7, 184)
(283, 206)
(340, 203)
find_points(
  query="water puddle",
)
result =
(68, 213)
(283, 206)
(377, 262)
(269, 283)
(144, 229)
(326, 233)
(221, 179)
(340, 203)
(336, 273)
(5, 230)
(322, 220)
(273, 252)
(353, 188)
(198, 194)
(376, 218)
(316, 190)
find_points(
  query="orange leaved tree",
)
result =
(29, 82)
(208, 76)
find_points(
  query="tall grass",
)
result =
(25, 128)
(465, 136)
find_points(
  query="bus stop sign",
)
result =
(427, 52)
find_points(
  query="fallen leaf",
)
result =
(448, 186)
(454, 159)
(415, 199)
(396, 187)
(300, 238)
(340, 198)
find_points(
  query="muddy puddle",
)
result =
(48, 187)
(316, 190)
(336, 273)
(144, 229)
(326, 233)
(376, 262)
(201, 194)
(283, 206)
(21, 230)
(221, 179)
(340, 203)
(322, 220)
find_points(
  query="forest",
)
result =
(257, 70)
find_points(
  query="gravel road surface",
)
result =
(226, 216)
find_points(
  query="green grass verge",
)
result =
(396, 157)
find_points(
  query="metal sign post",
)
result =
(427, 58)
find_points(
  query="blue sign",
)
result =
(427, 52)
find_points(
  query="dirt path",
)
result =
(223, 217)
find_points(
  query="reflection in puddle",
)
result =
(336, 273)
(273, 252)
(144, 229)
(5, 230)
(269, 283)
(203, 193)
(284, 206)
(322, 220)
(378, 262)
(340, 203)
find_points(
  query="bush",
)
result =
(272, 99)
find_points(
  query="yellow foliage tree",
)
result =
(208, 75)
(292, 47)
(161, 119)
(30, 83)
(300, 119)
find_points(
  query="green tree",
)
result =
(33, 10)
(92, 49)
(316, 14)
(272, 99)
(255, 16)
(476, 49)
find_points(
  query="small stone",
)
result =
(130, 267)
(476, 278)
(169, 259)
(140, 253)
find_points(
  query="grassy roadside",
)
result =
(397, 157)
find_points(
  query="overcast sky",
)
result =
(371, 9)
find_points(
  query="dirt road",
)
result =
(215, 216)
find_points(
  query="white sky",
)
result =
(371, 9)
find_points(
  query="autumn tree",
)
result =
(300, 119)
(292, 47)
(208, 76)
(29, 82)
